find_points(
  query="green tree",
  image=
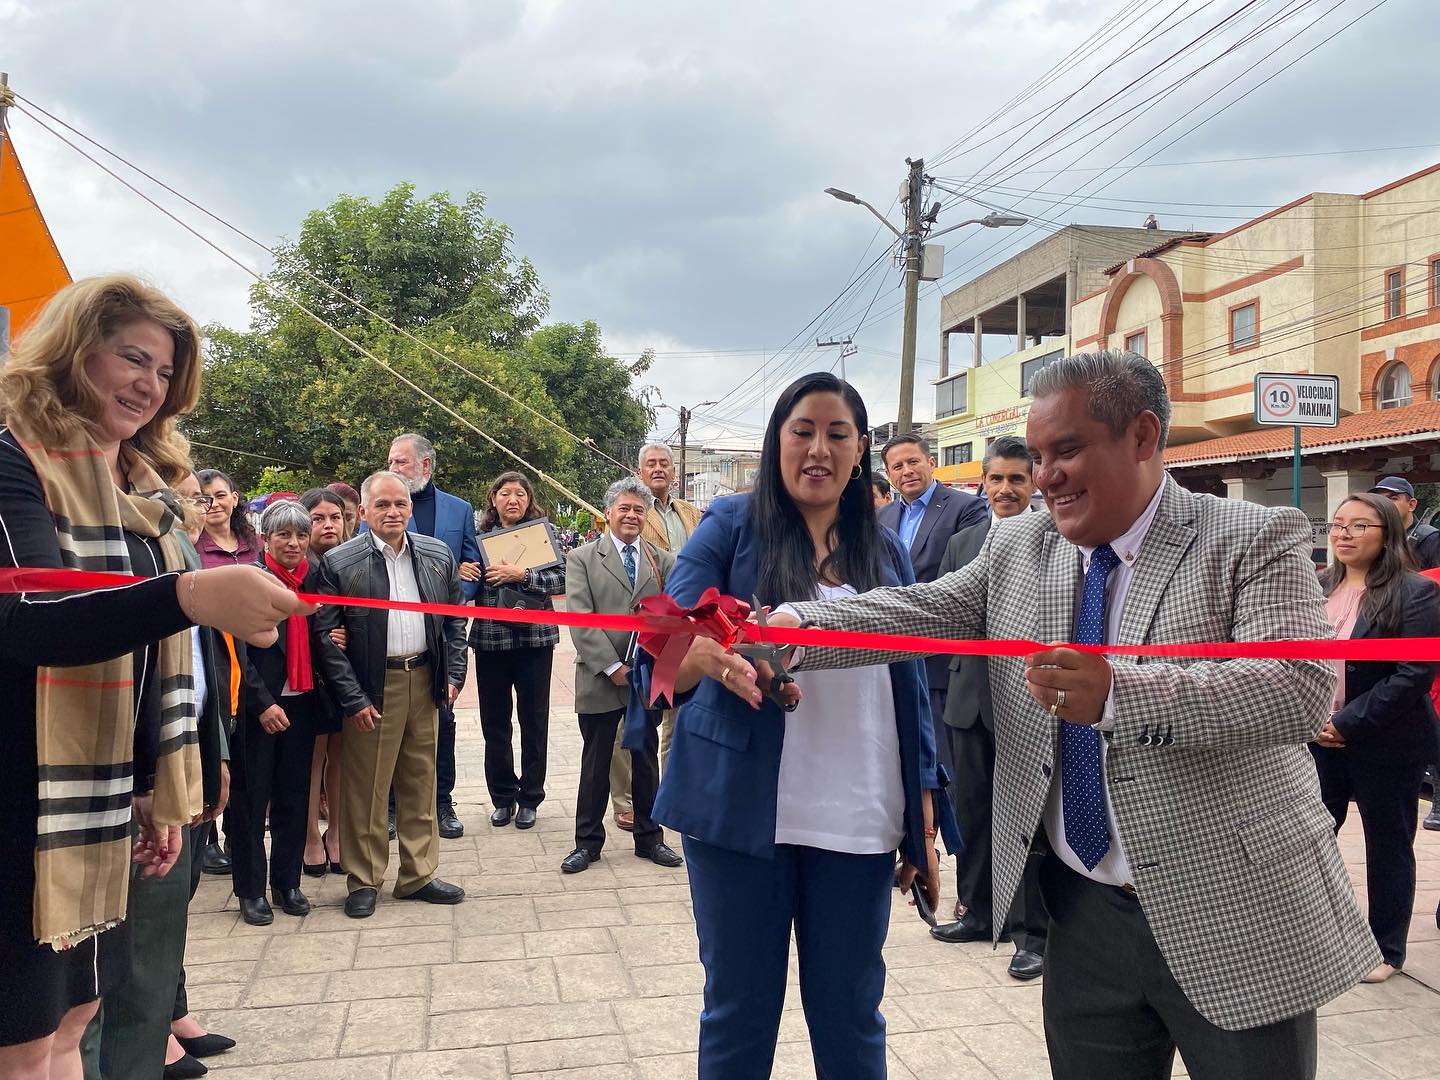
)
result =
(291, 391)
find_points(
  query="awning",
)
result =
(31, 269)
(1359, 431)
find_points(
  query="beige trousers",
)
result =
(620, 764)
(400, 750)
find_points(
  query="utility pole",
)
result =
(684, 412)
(847, 348)
(914, 208)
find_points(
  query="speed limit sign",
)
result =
(1297, 400)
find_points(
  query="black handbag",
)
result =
(507, 597)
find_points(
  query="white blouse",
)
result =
(840, 783)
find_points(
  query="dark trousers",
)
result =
(969, 754)
(838, 906)
(1113, 1009)
(598, 731)
(274, 770)
(195, 838)
(1387, 796)
(444, 760)
(526, 672)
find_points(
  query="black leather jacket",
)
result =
(357, 568)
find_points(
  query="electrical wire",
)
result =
(547, 478)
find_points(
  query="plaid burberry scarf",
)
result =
(85, 716)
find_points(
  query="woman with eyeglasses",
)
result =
(229, 539)
(1383, 729)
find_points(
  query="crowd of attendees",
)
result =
(171, 723)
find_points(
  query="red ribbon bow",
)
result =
(671, 629)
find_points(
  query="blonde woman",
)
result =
(88, 400)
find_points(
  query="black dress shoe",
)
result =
(450, 827)
(207, 1045)
(1026, 965)
(256, 912)
(502, 815)
(578, 860)
(214, 860)
(661, 855)
(436, 891)
(291, 901)
(392, 824)
(967, 928)
(187, 1068)
(360, 904)
(525, 818)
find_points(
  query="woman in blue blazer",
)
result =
(792, 820)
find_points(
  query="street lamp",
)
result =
(912, 239)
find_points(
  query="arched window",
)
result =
(1394, 389)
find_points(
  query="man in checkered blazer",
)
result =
(1196, 892)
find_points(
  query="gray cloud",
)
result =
(661, 163)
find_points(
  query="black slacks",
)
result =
(1114, 1010)
(271, 770)
(598, 731)
(527, 673)
(1388, 797)
(969, 755)
(196, 837)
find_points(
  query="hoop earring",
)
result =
(856, 473)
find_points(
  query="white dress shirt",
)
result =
(404, 630)
(1114, 868)
(620, 547)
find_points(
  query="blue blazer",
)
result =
(454, 524)
(723, 774)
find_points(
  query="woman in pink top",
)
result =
(1383, 729)
(229, 538)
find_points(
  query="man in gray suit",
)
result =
(1196, 894)
(966, 742)
(610, 577)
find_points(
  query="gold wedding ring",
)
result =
(1059, 703)
(725, 676)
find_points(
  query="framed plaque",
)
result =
(530, 545)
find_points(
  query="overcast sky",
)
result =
(662, 162)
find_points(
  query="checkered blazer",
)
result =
(1215, 794)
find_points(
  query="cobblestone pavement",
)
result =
(540, 975)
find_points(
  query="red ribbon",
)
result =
(671, 627)
(664, 626)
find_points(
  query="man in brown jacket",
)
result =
(668, 524)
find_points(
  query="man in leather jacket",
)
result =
(396, 670)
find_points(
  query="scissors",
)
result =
(771, 653)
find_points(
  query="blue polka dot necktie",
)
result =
(630, 567)
(1082, 789)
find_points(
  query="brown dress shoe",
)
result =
(625, 821)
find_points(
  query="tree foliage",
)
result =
(291, 390)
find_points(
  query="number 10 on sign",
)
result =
(1297, 401)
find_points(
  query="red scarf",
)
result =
(298, 671)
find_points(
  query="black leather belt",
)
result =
(406, 663)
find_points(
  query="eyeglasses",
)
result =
(1355, 528)
(200, 502)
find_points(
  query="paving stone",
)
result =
(670, 1067)
(670, 911)
(1009, 1050)
(235, 971)
(487, 1063)
(1337, 1062)
(421, 952)
(590, 1072)
(1408, 1059)
(402, 935)
(355, 1068)
(513, 982)
(221, 949)
(567, 1054)
(362, 984)
(595, 977)
(285, 1034)
(578, 901)
(520, 1024)
(660, 1025)
(487, 916)
(490, 947)
(643, 946)
(202, 999)
(668, 980)
(583, 918)
(310, 953)
(270, 990)
(384, 1025)
(937, 1053)
(568, 942)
